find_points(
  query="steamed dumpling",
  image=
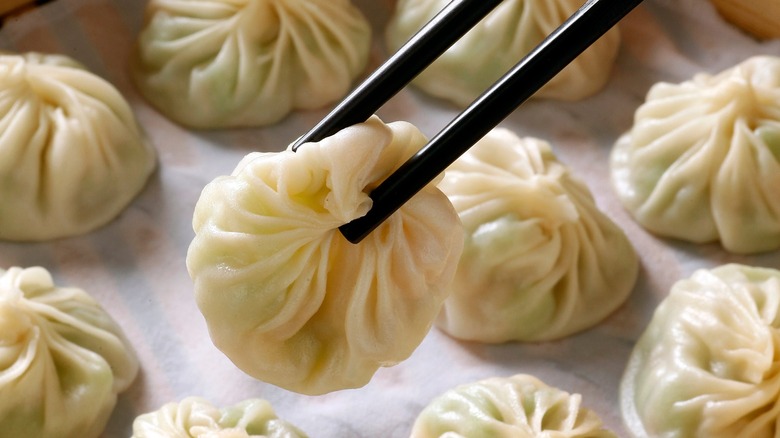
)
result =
(540, 260)
(72, 155)
(702, 161)
(286, 297)
(707, 364)
(228, 63)
(63, 360)
(497, 43)
(520, 406)
(195, 417)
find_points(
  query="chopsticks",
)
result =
(430, 42)
(564, 44)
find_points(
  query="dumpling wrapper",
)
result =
(195, 417)
(63, 359)
(702, 160)
(73, 153)
(499, 42)
(233, 63)
(707, 363)
(520, 406)
(286, 297)
(540, 260)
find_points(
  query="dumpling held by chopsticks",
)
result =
(286, 297)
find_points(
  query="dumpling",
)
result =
(707, 363)
(540, 260)
(760, 18)
(73, 155)
(195, 417)
(286, 297)
(63, 360)
(233, 63)
(520, 406)
(702, 160)
(499, 42)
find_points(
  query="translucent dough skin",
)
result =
(285, 296)
(63, 360)
(73, 154)
(239, 63)
(702, 160)
(497, 43)
(195, 417)
(707, 365)
(520, 406)
(540, 260)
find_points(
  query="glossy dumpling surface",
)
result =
(540, 260)
(286, 296)
(520, 406)
(194, 417)
(702, 160)
(707, 364)
(497, 43)
(227, 63)
(63, 360)
(73, 155)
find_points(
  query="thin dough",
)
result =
(702, 160)
(520, 406)
(540, 260)
(195, 417)
(73, 154)
(234, 63)
(707, 363)
(497, 43)
(286, 296)
(63, 360)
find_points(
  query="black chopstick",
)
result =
(564, 44)
(447, 27)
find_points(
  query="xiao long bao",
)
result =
(195, 417)
(63, 359)
(540, 260)
(702, 160)
(497, 43)
(73, 154)
(520, 406)
(286, 297)
(233, 63)
(707, 363)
